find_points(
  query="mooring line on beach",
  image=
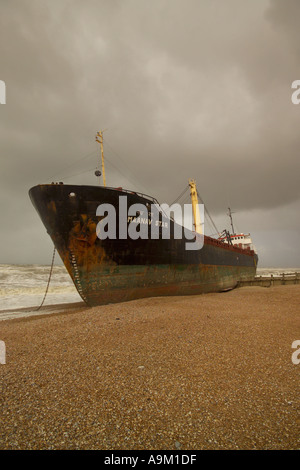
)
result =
(50, 274)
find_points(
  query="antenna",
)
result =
(100, 136)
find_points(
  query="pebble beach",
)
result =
(213, 371)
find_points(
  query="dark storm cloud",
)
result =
(187, 89)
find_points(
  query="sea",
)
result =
(24, 286)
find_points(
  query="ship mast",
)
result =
(196, 212)
(231, 222)
(100, 136)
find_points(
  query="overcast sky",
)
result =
(186, 88)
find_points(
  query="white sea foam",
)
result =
(25, 285)
(276, 272)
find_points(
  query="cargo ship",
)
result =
(121, 268)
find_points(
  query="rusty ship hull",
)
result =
(117, 270)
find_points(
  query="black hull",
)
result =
(123, 269)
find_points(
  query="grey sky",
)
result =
(186, 88)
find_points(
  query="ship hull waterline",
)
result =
(110, 271)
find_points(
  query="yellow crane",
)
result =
(100, 136)
(196, 212)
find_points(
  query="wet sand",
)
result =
(199, 372)
(10, 314)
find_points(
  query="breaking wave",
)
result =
(25, 285)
